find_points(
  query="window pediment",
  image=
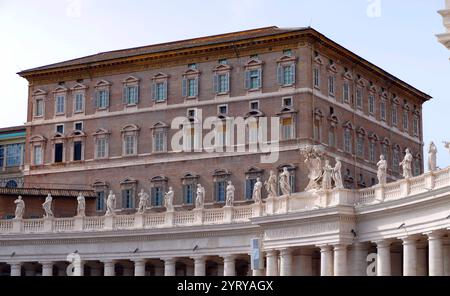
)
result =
(160, 76)
(332, 68)
(386, 142)
(406, 107)
(130, 128)
(101, 131)
(254, 113)
(78, 87)
(360, 82)
(128, 181)
(221, 173)
(37, 139)
(190, 175)
(361, 131)
(191, 72)
(76, 134)
(102, 83)
(348, 125)
(100, 183)
(253, 63)
(290, 167)
(373, 136)
(130, 80)
(286, 110)
(318, 60)
(286, 59)
(372, 89)
(318, 114)
(254, 170)
(60, 89)
(334, 121)
(39, 92)
(58, 136)
(347, 75)
(159, 179)
(222, 67)
(159, 124)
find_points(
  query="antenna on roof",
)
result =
(310, 22)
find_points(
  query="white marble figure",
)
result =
(271, 184)
(230, 194)
(326, 176)
(20, 207)
(257, 191)
(432, 157)
(406, 164)
(143, 201)
(200, 199)
(313, 162)
(81, 208)
(47, 206)
(110, 204)
(337, 174)
(382, 170)
(285, 184)
(168, 200)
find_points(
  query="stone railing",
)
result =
(296, 202)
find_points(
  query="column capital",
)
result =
(198, 258)
(359, 246)
(169, 260)
(338, 247)
(285, 251)
(110, 262)
(46, 263)
(14, 263)
(435, 234)
(229, 257)
(271, 253)
(383, 243)
(410, 239)
(139, 261)
(324, 248)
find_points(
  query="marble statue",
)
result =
(110, 203)
(432, 157)
(285, 184)
(168, 200)
(271, 184)
(81, 209)
(143, 201)
(326, 176)
(20, 207)
(337, 174)
(257, 191)
(382, 170)
(313, 160)
(230, 194)
(47, 206)
(406, 164)
(200, 199)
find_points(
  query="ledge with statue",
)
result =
(324, 190)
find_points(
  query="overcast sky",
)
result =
(398, 36)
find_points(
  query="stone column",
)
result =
(446, 260)
(340, 260)
(109, 268)
(358, 259)
(139, 267)
(435, 254)
(326, 261)
(47, 268)
(409, 256)
(169, 267)
(257, 272)
(272, 263)
(229, 265)
(383, 258)
(286, 262)
(16, 269)
(199, 266)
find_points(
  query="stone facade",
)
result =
(313, 110)
(12, 153)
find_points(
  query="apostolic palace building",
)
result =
(103, 126)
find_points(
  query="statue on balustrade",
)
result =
(230, 194)
(313, 160)
(81, 209)
(432, 157)
(337, 174)
(326, 176)
(382, 170)
(47, 206)
(285, 184)
(20, 207)
(257, 191)
(271, 184)
(200, 199)
(110, 204)
(168, 200)
(406, 164)
(143, 201)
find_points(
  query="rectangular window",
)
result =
(383, 110)
(223, 62)
(287, 102)
(79, 100)
(59, 152)
(2, 156)
(102, 99)
(253, 79)
(405, 120)
(331, 85)
(394, 116)
(254, 105)
(77, 150)
(286, 128)
(129, 144)
(60, 128)
(14, 155)
(220, 191)
(192, 87)
(78, 126)
(100, 201)
(249, 184)
(384, 151)
(360, 147)
(371, 104)
(37, 155)
(60, 100)
(39, 108)
(101, 148)
(348, 141)
(158, 139)
(188, 194)
(287, 52)
(359, 98)
(223, 109)
(131, 95)
(395, 161)
(253, 132)
(157, 196)
(416, 126)
(372, 152)
(331, 138)
(346, 92)
(316, 76)
(222, 83)
(128, 198)
(288, 74)
(160, 91)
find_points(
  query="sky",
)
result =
(399, 36)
